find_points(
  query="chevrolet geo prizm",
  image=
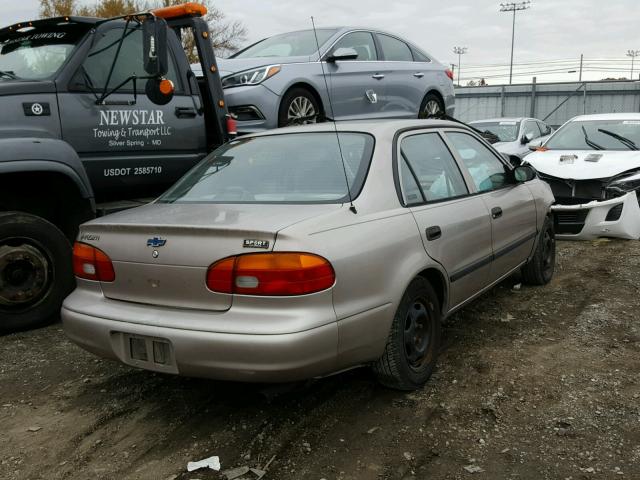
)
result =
(285, 255)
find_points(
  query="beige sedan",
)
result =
(290, 254)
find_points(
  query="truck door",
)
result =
(129, 146)
(454, 225)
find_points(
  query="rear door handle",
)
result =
(378, 76)
(496, 212)
(185, 112)
(418, 74)
(433, 233)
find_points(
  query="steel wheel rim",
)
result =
(301, 111)
(417, 334)
(25, 274)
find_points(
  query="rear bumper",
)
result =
(223, 356)
(589, 221)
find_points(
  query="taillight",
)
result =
(92, 263)
(449, 74)
(275, 274)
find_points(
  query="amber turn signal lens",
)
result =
(92, 263)
(272, 274)
(166, 87)
(190, 9)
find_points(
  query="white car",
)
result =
(592, 164)
(514, 134)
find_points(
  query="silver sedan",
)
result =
(287, 255)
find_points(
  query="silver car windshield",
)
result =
(36, 54)
(597, 135)
(506, 131)
(287, 168)
(292, 44)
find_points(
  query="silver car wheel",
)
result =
(301, 112)
(431, 109)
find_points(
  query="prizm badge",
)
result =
(593, 157)
(249, 243)
(156, 242)
(88, 237)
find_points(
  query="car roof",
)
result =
(606, 116)
(503, 119)
(378, 128)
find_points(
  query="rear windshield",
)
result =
(287, 168)
(597, 135)
(292, 44)
(37, 53)
(506, 131)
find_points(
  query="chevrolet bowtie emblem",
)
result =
(156, 242)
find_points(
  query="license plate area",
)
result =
(151, 353)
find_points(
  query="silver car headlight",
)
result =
(250, 77)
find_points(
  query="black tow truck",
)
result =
(92, 110)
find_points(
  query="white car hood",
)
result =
(584, 164)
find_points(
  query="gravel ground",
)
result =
(532, 383)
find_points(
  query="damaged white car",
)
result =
(592, 164)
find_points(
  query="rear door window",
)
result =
(362, 43)
(394, 50)
(428, 171)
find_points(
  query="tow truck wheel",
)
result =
(298, 107)
(35, 271)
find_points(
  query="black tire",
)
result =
(426, 107)
(36, 272)
(299, 96)
(539, 270)
(399, 367)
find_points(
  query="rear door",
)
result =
(357, 86)
(455, 226)
(129, 141)
(510, 204)
(405, 79)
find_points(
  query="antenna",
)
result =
(335, 128)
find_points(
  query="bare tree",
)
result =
(226, 36)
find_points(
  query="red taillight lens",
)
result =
(449, 74)
(275, 274)
(92, 263)
(232, 126)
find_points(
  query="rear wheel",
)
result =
(539, 270)
(298, 107)
(414, 339)
(432, 106)
(35, 271)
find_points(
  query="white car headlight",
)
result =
(250, 77)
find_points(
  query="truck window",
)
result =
(37, 53)
(129, 62)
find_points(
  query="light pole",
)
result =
(633, 54)
(513, 7)
(459, 51)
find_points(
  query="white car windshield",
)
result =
(597, 135)
(506, 131)
(37, 53)
(292, 44)
(286, 168)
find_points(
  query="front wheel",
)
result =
(412, 347)
(539, 270)
(432, 107)
(35, 271)
(298, 107)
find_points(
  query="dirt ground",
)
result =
(532, 383)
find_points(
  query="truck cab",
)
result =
(93, 110)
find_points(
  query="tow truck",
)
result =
(93, 110)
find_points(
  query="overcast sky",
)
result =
(549, 30)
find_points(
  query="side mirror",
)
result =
(159, 90)
(535, 144)
(524, 173)
(154, 46)
(526, 138)
(512, 159)
(342, 53)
